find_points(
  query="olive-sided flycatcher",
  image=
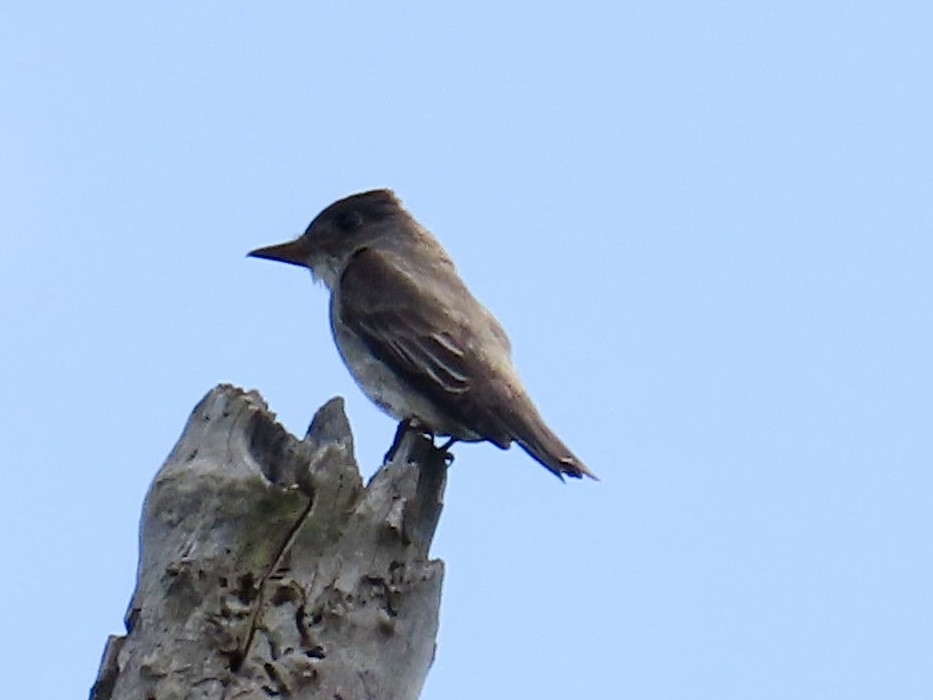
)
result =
(414, 338)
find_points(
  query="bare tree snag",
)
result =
(267, 569)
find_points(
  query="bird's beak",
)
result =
(294, 252)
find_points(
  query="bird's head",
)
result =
(337, 233)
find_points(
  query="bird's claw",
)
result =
(409, 424)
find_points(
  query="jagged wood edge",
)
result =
(415, 479)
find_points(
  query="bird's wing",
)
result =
(425, 331)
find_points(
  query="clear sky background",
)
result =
(707, 227)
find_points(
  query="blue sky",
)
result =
(707, 227)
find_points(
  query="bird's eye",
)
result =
(348, 221)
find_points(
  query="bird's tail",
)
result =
(529, 430)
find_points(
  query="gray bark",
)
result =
(267, 569)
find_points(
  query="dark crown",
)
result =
(349, 213)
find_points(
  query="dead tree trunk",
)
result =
(267, 569)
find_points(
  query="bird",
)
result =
(415, 339)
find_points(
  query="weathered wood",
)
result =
(267, 569)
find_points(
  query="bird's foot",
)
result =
(403, 427)
(445, 452)
(413, 425)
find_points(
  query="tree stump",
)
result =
(267, 569)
